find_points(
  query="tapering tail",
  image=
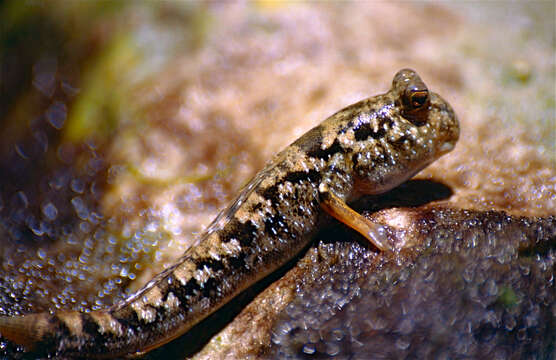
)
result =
(27, 330)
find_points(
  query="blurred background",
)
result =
(126, 126)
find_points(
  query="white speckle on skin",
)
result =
(172, 303)
(347, 139)
(184, 272)
(243, 214)
(106, 323)
(153, 297)
(145, 313)
(214, 255)
(202, 275)
(232, 247)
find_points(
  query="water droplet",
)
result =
(71, 240)
(95, 165)
(402, 343)
(42, 140)
(337, 334)
(89, 243)
(35, 226)
(332, 349)
(69, 89)
(309, 349)
(44, 75)
(123, 271)
(95, 217)
(66, 153)
(21, 152)
(96, 188)
(77, 186)
(84, 227)
(80, 208)
(21, 200)
(50, 211)
(429, 277)
(41, 254)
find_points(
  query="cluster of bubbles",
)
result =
(484, 287)
(59, 250)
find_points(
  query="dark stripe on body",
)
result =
(302, 176)
(365, 130)
(242, 232)
(276, 225)
(213, 264)
(317, 152)
(296, 177)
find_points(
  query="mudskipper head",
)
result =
(399, 133)
(432, 116)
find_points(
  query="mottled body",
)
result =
(366, 148)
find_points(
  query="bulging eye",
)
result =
(415, 99)
(413, 96)
(419, 98)
(415, 105)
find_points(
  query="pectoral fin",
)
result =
(338, 209)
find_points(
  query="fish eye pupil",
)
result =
(415, 102)
(418, 99)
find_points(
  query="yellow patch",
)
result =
(145, 313)
(153, 297)
(243, 215)
(73, 321)
(184, 272)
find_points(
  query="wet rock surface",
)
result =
(480, 286)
